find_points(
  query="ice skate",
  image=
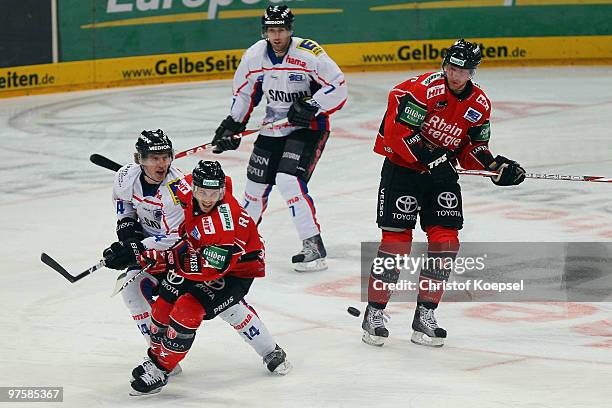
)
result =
(140, 370)
(374, 331)
(276, 361)
(150, 381)
(426, 329)
(312, 256)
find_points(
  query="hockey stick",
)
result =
(540, 176)
(105, 162)
(47, 260)
(122, 281)
(109, 164)
(270, 125)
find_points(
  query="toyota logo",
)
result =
(448, 200)
(406, 204)
(216, 284)
(174, 279)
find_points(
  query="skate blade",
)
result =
(135, 393)
(176, 371)
(312, 266)
(377, 341)
(283, 368)
(424, 340)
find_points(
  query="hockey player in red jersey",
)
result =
(208, 273)
(433, 121)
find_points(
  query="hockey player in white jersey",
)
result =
(149, 211)
(148, 217)
(303, 84)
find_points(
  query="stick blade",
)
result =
(105, 162)
(52, 263)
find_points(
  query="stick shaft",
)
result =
(540, 176)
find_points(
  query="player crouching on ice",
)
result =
(208, 273)
(432, 121)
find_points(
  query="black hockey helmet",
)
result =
(463, 54)
(277, 16)
(153, 141)
(208, 174)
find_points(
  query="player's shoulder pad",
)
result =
(308, 46)
(256, 50)
(125, 178)
(481, 98)
(182, 190)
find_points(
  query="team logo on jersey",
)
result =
(296, 77)
(483, 101)
(472, 115)
(412, 114)
(435, 91)
(310, 46)
(171, 333)
(226, 217)
(207, 226)
(195, 233)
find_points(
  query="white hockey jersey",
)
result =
(305, 70)
(160, 215)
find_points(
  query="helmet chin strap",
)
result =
(149, 177)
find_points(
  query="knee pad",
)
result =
(396, 242)
(238, 315)
(161, 311)
(442, 239)
(188, 312)
(138, 296)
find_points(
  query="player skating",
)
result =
(302, 83)
(148, 217)
(432, 122)
(208, 273)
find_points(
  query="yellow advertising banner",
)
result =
(351, 57)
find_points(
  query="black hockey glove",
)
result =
(302, 112)
(510, 172)
(122, 254)
(129, 228)
(224, 135)
(440, 165)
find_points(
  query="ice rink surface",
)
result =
(554, 120)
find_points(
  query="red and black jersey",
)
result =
(228, 226)
(423, 113)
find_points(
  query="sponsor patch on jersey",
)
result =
(485, 133)
(296, 77)
(207, 225)
(195, 233)
(310, 46)
(472, 115)
(483, 101)
(435, 91)
(431, 78)
(215, 256)
(173, 186)
(412, 114)
(226, 217)
(157, 215)
(295, 61)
